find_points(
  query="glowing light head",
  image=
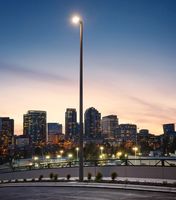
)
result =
(36, 158)
(76, 19)
(58, 156)
(119, 153)
(101, 148)
(70, 155)
(135, 149)
(47, 157)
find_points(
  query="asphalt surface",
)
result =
(75, 193)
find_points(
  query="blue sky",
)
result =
(129, 59)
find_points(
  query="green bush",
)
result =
(164, 182)
(68, 177)
(40, 177)
(99, 176)
(114, 176)
(89, 176)
(55, 177)
(51, 176)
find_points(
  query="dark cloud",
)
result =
(27, 73)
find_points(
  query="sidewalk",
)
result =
(130, 179)
(92, 185)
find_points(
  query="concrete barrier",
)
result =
(122, 171)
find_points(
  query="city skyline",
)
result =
(129, 60)
(70, 110)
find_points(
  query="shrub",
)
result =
(55, 177)
(99, 176)
(89, 176)
(164, 182)
(24, 180)
(40, 177)
(68, 176)
(114, 176)
(16, 180)
(51, 176)
(33, 180)
(126, 181)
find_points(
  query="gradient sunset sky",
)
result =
(129, 59)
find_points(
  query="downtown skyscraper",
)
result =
(92, 123)
(34, 126)
(6, 135)
(127, 132)
(169, 129)
(6, 131)
(54, 132)
(71, 125)
(109, 125)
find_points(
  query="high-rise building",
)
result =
(54, 132)
(34, 126)
(108, 125)
(168, 129)
(6, 131)
(144, 132)
(127, 132)
(71, 126)
(54, 128)
(92, 123)
(21, 141)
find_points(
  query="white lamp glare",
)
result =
(76, 19)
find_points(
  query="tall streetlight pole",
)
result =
(78, 20)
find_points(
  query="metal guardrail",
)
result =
(55, 163)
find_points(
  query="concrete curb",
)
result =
(93, 185)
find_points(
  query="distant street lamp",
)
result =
(36, 158)
(135, 149)
(119, 154)
(78, 20)
(61, 152)
(101, 150)
(77, 150)
(47, 157)
(126, 155)
(113, 156)
(70, 155)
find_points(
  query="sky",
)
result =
(129, 59)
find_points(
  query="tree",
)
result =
(91, 151)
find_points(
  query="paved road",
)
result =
(73, 193)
